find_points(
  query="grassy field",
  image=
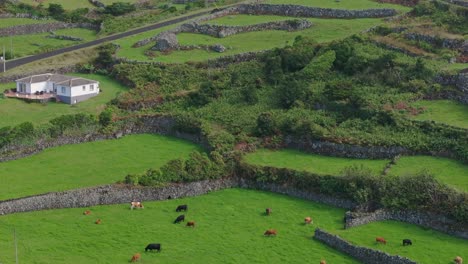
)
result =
(88, 164)
(429, 246)
(323, 30)
(444, 111)
(74, 4)
(449, 171)
(293, 159)
(9, 22)
(25, 45)
(230, 226)
(342, 4)
(15, 111)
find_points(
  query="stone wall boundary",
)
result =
(366, 255)
(425, 219)
(42, 28)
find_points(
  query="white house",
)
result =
(68, 89)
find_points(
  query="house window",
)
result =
(63, 90)
(91, 87)
(84, 88)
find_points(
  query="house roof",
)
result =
(57, 79)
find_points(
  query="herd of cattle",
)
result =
(270, 232)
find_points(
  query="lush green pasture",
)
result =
(429, 246)
(25, 45)
(293, 159)
(323, 30)
(230, 227)
(343, 4)
(444, 111)
(9, 22)
(14, 111)
(449, 171)
(88, 164)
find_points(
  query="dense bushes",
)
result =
(415, 192)
(198, 166)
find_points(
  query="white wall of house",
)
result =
(85, 89)
(27, 87)
(50, 87)
(63, 90)
(38, 87)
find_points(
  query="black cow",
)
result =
(181, 208)
(153, 247)
(180, 218)
(407, 242)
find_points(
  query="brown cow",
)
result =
(323, 261)
(458, 260)
(270, 232)
(87, 212)
(191, 223)
(98, 222)
(136, 205)
(380, 240)
(136, 257)
(308, 220)
(268, 211)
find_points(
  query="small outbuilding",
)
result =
(67, 89)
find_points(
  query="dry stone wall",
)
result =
(344, 150)
(460, 82)
(429, 220)
(41, 28)
(447, 43)
(110, 194)
(306, 11)
(366, 255)
(221, 31)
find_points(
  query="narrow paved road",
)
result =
(18, 62)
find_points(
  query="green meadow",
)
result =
(302, 161)
(88, 164)
(429, 246)
(229, 229)
(449, 171)
(443, 111)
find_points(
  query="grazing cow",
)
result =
(458, 260)
(136, 257)
(323, 261)
(380, 240)
(268, 211)
(153, 247)
(136, 205)
(270, 232)
(182, 208)
(308, 220)
(407, 242)
(98, 222)
(191, 223)
(87, 212)
(180, 218)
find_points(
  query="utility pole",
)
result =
(4, 59)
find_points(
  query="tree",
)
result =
(266, 124)
(273, 70)
(291, 90)
(119, 8)
(249, 94)
(56, 11)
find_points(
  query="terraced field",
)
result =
(8, 22)
(230, 226)
(451, 172)
(443, 111)
(25, 45)
(88, 164)
(13, 111)
(343, 4)
(429, 246)
(297, 160)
